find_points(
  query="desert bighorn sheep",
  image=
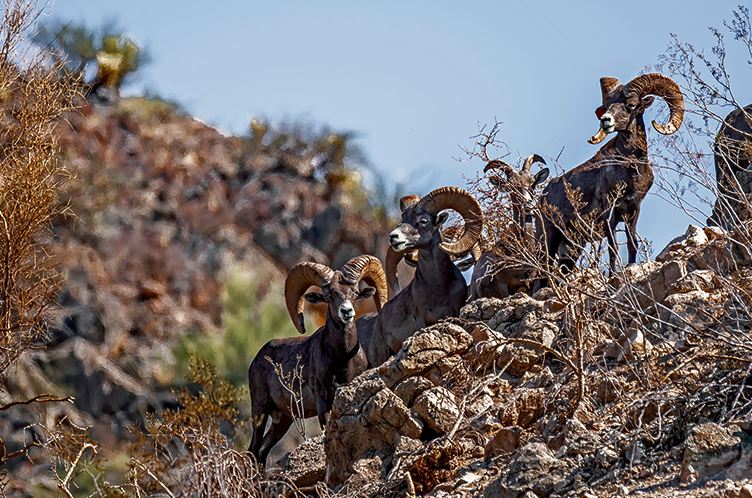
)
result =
(733, 153)
(613, 183)
(490, 277)
(438, 288)
(324, 356)
(450, 234)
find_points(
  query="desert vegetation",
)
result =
(147, 260)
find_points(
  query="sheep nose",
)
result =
(393, 237)
(347, 311)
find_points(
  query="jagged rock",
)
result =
(306, 464)
(695, 310)
(534, 470)
(367, 420)
(519, 358)
(708, 449)
(438, 409)
(422, 351)
(522, 407)
(702, 280)
(694, 237)
(482, 309)
(408, 389)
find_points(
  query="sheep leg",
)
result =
(631, 226)
(613, 248)
(276, 432)
(258, 423)
(323, 411)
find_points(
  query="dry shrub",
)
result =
(34, 95)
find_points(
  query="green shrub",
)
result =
(253, 312)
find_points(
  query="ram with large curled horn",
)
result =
(328, 357)
(438, 289)
(613, 183)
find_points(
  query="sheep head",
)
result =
(422, 218)
(520, 184)
(339, 289)
(410, 257)
(623, 103)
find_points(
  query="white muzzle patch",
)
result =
(346, 312)
(397, 239)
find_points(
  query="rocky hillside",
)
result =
(540, 396)
(167, 212)
(636, 384)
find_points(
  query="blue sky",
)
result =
(415, 79)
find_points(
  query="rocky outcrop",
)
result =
(486, 404)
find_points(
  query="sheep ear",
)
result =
(540, 176)
(441, 218)
(366, 292)
(314, 297)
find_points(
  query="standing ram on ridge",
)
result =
(438, 289)
(492, 275)
(613, 183)
(733, 154)
(326, 358)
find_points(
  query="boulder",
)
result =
(534, 470)
(305, 465)
(708, 449)
(438, 409)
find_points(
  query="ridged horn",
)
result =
(532, 158)
(452, 233)
(665, 88)
(390, 266)
(368, 269)
(476, 251)
(598, 137)
(301, 277)
(608, 86)
(408, 201)
(466, 205)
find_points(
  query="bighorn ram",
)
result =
(613, 183)
(733, 153)
(491, 277)
(438, 288)
(324, 356)
(450, 234)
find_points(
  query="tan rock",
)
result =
(709, 449)
(438, 409)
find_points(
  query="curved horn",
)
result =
(411, 258)
(408, 201)
(476, 251)
(466, 205)
(301, 277)
(598, 137)
(392, 277)
(608, 86)
(532, 158)
(452, 233)
(665, 88)
(497, 164)
(368, 268)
